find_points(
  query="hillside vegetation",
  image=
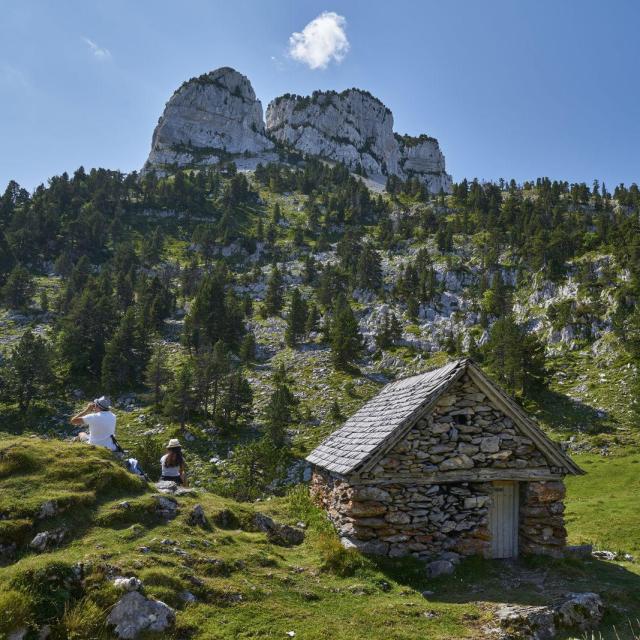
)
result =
(249, 314)
(226, 580)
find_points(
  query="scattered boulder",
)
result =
(127, 584)
(48, 509)
(47, 539)
(166, 507)
(134, 613)
(439, 568)
(581, 611)
(520, 622)
(166, 486)
(197, 517)
(281, 534)
(578, 612)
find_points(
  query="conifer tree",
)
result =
(180, 399)
(27, 372)
(312, 321)
(18, 289)
(237, 400)
(296, 319)
(248, 348)
(273, 299)
(368, 269)
(344, 335)
(125, 355)
(157, 374)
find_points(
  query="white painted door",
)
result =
(503, 520)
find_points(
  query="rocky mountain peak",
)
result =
(206, 119)
(216, 117)
(356, 128)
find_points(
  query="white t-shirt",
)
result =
(172, 472)
(102, 425)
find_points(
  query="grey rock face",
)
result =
(206, 118)
(47, 539)
(134, 613)
(281, 534)
(355, 128)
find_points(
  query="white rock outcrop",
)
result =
(207, 119)
(216, 117)
(355, 128)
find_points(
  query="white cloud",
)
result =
(99, 52)
(321, 41)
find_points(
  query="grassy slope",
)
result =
(247, 587)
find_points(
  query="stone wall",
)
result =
(398, 519)
(542, 529)
(464, 431)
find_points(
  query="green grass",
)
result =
(604, 506)
(248, 588)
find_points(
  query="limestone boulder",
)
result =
(135, 613)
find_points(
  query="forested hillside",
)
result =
(248, 314)
(251, 312)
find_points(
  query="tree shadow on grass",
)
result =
(568, 415)
(531, 580)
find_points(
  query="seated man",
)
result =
(101, 421)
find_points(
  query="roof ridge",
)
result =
(454, 364)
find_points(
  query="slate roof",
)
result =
(399, 404)
(349, 446)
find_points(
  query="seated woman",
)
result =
(173, 463)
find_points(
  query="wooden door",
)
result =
(503, 520)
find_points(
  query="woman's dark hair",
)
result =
(174, 457)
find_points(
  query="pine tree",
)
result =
(368, 269)
(157, 374)
(125, 355)
(278, 415)
(312, 321)
(515, 357)
(18, 289)
(180, 400)
(344, 336)
(273, 299)
(296, 319)
(85, 330)
(211, 367)
(27, 373)
(237, 401)
(248, 348)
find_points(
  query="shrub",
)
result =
(16, 610)
(83, 620)
(301, 507)
(338, 560)
(148, 453)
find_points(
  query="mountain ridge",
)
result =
(216, 117)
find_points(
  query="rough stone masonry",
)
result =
(405, 503)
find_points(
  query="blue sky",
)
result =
(518, 88)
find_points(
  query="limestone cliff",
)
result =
(217, 117)
(354, 127)
(207, 119)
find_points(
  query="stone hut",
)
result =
(439, 462)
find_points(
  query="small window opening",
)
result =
(461, 419)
